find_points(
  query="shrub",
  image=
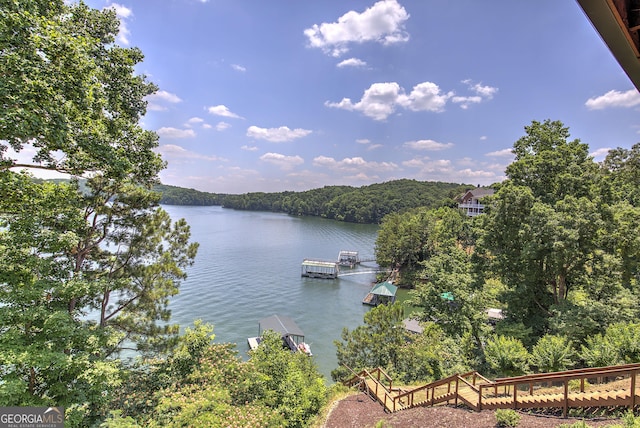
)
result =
(579, 424)
(507, 418)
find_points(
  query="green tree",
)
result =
(506, 356)
(552, 354)
(375, 344)
(291, 383)
(545, 226)
(449, 295)
(82, 272)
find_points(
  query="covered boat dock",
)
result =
(381, 293)
(320, 269)
(292, 335)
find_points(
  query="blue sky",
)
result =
(293, 95)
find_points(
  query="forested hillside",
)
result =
(367, 204)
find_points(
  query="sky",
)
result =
(293, 95)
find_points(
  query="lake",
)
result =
(248, 267)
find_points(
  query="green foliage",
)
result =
(405, 240)
(367, 204)
(374, 344)
(173, 195)
(506, 356)
(552, 354)
(383, 342)
(449, 273)
(507, 418)
(71, 95)
(578, 424)
(619, 345)
(205, 384)
(291, 383)
(629, 420)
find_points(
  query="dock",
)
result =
(320, 269)
(348, 258)
(292, 335)
(381, 293)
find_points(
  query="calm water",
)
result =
(248, 268)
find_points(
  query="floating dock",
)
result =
(320, 269)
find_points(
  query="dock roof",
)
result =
(280, 324)
(384, 289)
(318, 263)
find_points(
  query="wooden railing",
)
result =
(530, 391)
(530, 385)
(446, 389)
(380, 391)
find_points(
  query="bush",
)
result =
(507, 418)
(579, 424)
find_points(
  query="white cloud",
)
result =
(173, 151)
(600, 154)
(631, 98)
(194, 121)
(466, 101)
(168, 132)
(282, 161)
(353, 164)
(221, 126)
(351, 62)
(156, 100)
(277, 135)
(482, 93)
(381, 23)
(222, 110)
(249, 148)
(363, 141)
(430, 145)
(237, 67)
(501, 153)
(380, 100)
(122, 12)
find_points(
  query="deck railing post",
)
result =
(480, 398)
(566, 398)
(633, 389)
(515, 396)
(582, 384)
(456, 402)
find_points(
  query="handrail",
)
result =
(473, 387)
(588, 370)
(488, 390)
(573, 374)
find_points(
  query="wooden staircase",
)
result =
(593, 387)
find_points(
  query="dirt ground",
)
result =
(360, 411)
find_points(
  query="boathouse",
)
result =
(320, 269)
(348, 258)
(381, 293)
(292, 335)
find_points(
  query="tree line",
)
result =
(366, 204)
(557, 250)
